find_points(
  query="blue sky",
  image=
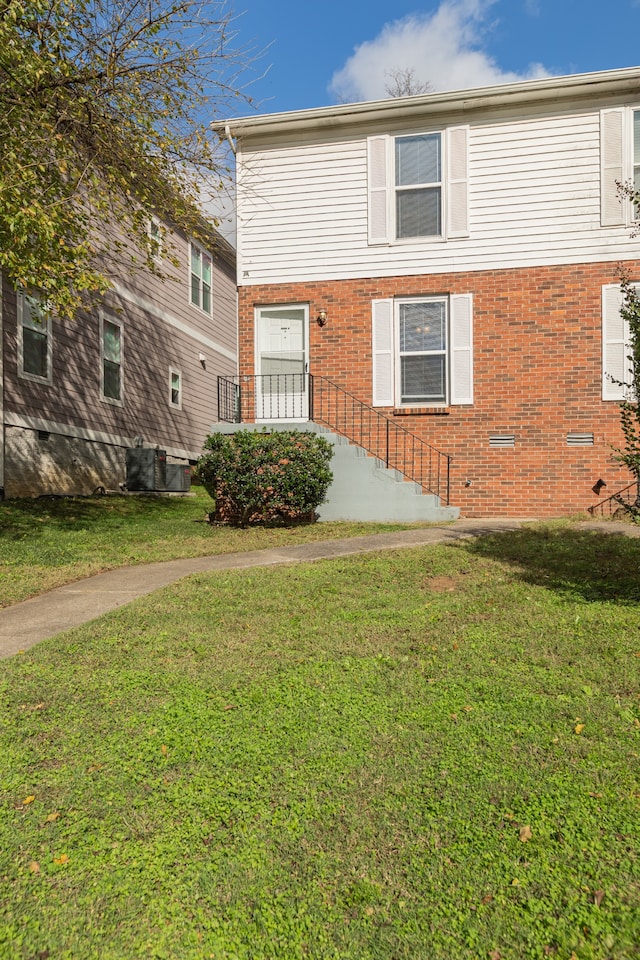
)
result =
(324, 52)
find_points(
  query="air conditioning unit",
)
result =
(146, 469)
(178, 477)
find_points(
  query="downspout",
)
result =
(227, 133)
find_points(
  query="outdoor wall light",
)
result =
(321, 319)
(597, 487)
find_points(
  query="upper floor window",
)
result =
(418, 186)
(155, 234)
(34, 339)
(418, 176)
(111, 349)
(200, 278)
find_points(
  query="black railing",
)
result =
(627, 499)
(308, 397)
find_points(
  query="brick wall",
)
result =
(537, 374)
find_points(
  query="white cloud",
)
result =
(444, 48)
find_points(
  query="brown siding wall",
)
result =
(537, 374)
(151, 346)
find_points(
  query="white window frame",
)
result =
(453, 185)
(175, 372)
(24, 312)
(202, 253)
(422, 187)
(107, 318)
(399, 353)
(386, 358)
(155, 232)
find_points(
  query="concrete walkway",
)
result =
(25, 624)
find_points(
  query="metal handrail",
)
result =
(307, 396)
(621, 498)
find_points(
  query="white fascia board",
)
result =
(581, 86)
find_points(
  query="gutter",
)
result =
(605, 83)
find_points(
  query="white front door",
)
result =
(281, 363)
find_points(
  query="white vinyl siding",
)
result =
(422, 351)
(35, 342)
(616, 365)
(533, 189)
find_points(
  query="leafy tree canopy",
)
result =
(104, 110)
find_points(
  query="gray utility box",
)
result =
(146, 469)
(178, 477)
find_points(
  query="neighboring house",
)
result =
(138, 368)
(451, 260)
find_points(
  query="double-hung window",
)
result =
(111, 349)
(418, 186)
(175, 388)
(423, 351)
(200, 278)
(34, 339)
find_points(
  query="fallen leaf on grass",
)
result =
(579, 727)
(52, 816)
(598, 897)
(34, 866)
(230, 706)
(525, 834)
(63, 858)
(28, 800)
(163, 749)
(495, 955)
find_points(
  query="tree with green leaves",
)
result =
(104, 111)
(629, 455)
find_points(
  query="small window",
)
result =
(112, 355)
(175, 388)
(200, 279)
(156, 235)
(34, 339)
(418, 181)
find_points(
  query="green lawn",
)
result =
(429, 754)
(48, 542)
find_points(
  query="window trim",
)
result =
(175, 372)
(382, 189)
(398, 354)
(158, 239)
(198, 306)
(437, 186)
(460, 352)
(22, 373)
(108, 318)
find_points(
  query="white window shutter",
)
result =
(461, 348)
(458, 181)
(616, 366)
(382, 340)
(612, 167)
(378, 189)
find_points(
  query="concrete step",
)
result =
(363, 488)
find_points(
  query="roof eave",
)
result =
(574, 87)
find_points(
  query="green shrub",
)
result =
(266, 477)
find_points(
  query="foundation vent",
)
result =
(579, 439)
(502, 440)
